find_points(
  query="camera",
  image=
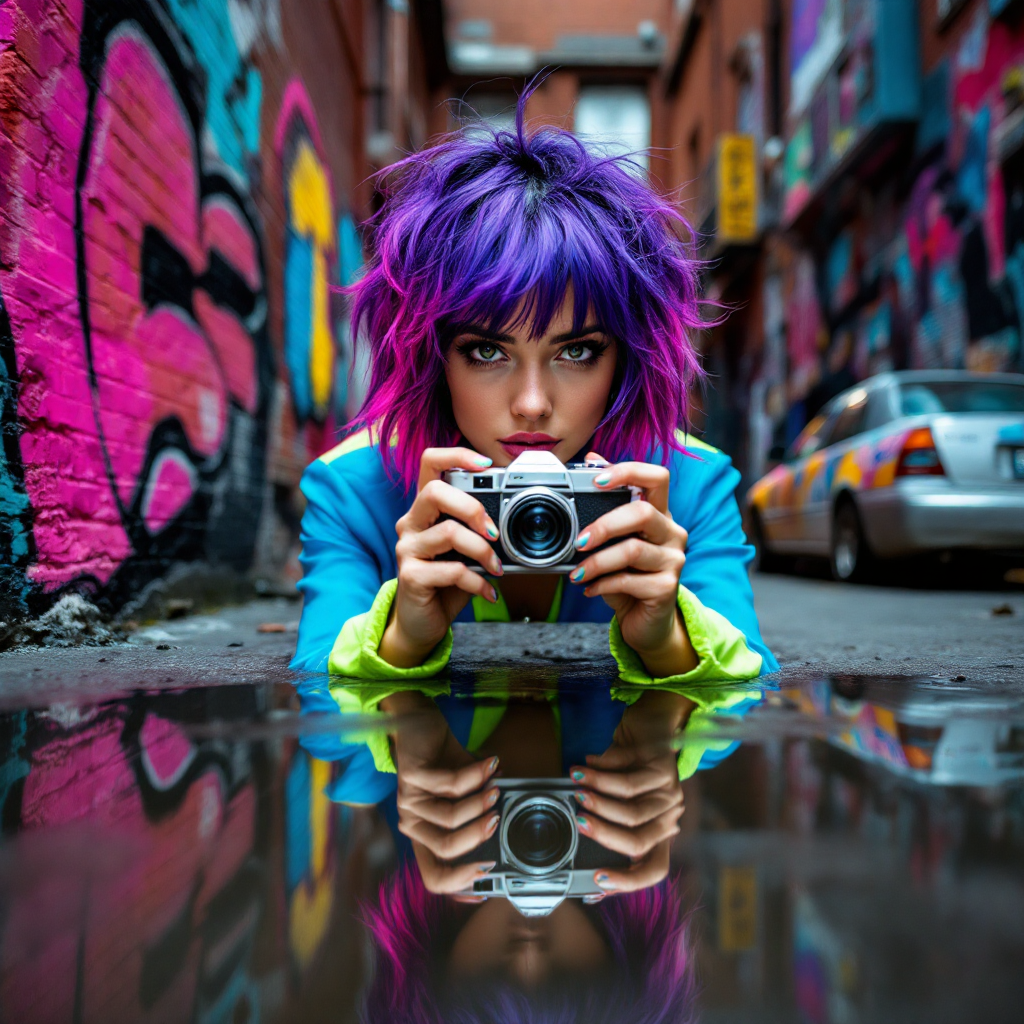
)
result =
(540, 856)
(540, 507)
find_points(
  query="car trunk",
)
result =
(973, 447)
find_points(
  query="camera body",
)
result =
(540, 856)
(540, 507)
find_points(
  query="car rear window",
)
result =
(960, 396)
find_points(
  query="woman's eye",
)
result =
(576, 353)
(486, 353)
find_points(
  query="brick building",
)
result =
(603, 60)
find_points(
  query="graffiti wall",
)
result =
(142, 384)
(926, 268)
(152, 876)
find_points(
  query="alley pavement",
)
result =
(818, 626)
(815, 627)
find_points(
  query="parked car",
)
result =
(905, 462)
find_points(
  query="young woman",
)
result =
(523, 293)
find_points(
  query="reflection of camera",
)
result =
(540, 856)
(540, 507)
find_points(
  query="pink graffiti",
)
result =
(930, 233)
(89, 402)
(974, 89)
(156, 363)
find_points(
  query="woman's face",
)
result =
(512, 394)
(529, 951)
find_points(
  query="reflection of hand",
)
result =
(639, 576)
(631, 796)
(442, 802)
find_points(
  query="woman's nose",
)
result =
(531, 401)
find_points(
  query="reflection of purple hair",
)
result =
(492, 227)
(652, 980)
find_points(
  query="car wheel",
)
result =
(765, 560)
(852, 560)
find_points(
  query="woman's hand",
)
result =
(639, 577)
(630, 796)
(431, 593)
(443, 796)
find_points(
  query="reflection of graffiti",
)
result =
(310, 258)
(309, 855)
(168, 932)
(133, 276)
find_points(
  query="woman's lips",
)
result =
(516, 444)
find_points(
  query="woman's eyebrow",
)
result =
(572, 335)
(481, 332)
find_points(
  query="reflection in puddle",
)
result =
(851, 849)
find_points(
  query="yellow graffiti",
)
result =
(848, 472)
(885, 475)
(312, 217)
(309, 914)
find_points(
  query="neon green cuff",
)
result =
(355, 651)
(724, 658)
(364, 699)
(721, 647)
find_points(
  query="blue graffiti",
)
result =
(971, 178)
(298, 324)
(234, 88)
(350, 251)
(15, 507)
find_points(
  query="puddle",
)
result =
(852, 849)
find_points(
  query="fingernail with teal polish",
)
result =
(577, 574)
(583, 823)
(577, 776)
(492, 531)
(493, 596)
(581, 797)
(603, 880)
(482, 461)
(493, 766)
(483, 869)
(603, 479)
(582, 540)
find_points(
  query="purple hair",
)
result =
(493, 227)
(652, 981)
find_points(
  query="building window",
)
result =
(615, 119)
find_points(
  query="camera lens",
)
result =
(540, 835)
(539, 528)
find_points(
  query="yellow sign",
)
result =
(737, 188)
(737, 908)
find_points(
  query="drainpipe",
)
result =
(398, 29)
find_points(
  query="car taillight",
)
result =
(919, 456)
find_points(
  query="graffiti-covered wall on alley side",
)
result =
(921, 266)
(160, 162)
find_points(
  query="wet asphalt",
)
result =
(814, 626)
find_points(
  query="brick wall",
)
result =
(179, 184)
